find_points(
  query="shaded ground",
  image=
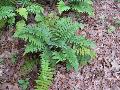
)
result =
(103, 73)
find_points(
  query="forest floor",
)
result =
(103, 73)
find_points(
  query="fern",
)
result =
(57, 35)
(6, 2)
(6, 12)
(62, 7)
(2, 23)
(46, 73)
(35, 8)
(72, 58)
(23, 12)
(36, 36)
(55, 38)
(78, 5)
(84, 7)
(74, 0)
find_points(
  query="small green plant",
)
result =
(1, 61)
(8, 11)
(23, 83)
(111, 29)
(27, 67)
(76, 5)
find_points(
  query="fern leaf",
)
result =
(35, 8)
(85, 6)
(6, 12)
(59, 56)
(65, 28)
(38, 10)
(19, 28)
(45, 78)
(11, 20)
(2, 23)
(72, 58)
(62, 7)
(88, 1)
(35, 35)
(78, 5)
(23, 12)
(5, 2)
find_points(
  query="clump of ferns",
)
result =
(53, 37)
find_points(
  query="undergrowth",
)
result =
(76, 5)
(53, 37)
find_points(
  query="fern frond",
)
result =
(75, 0)
(82, 41)
(6, 12)
(33, 48)
(23, 12)
(35, 8)
(62, 7)
(2, 23)
(64, 29)
(84, 7)
(77, 5)
(46, 73)
(83, 51)
(36, 36)
(6, 2)
(59, 56)
(80, 1)
(22, 1)
(72, 58)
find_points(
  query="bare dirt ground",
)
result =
(103, 73)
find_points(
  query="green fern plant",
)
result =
(53, 37)
(8, 10)
(6, 13)
(57, 35)
(76, 5)
(45, 74)
(23, 83)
